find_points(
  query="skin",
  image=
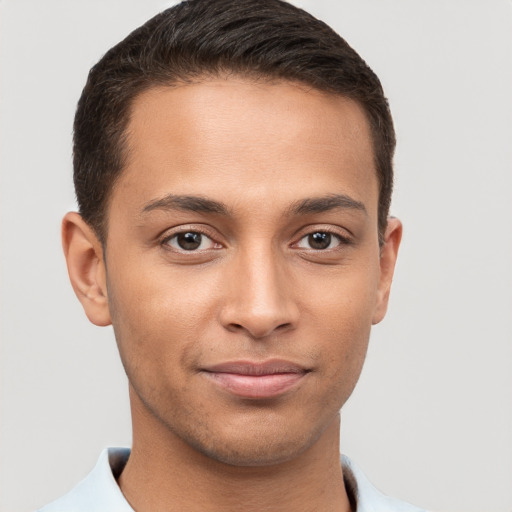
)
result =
(280, 162)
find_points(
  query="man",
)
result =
(233, 169)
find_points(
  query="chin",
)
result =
(253, 448)
(256, 455)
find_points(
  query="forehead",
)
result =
(236, 138)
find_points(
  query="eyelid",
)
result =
(343, 235)
(170, 233)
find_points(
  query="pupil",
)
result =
(189, 241)
(319, 240)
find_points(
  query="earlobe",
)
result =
(388, 256)
(86, 267)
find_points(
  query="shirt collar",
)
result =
(364, 497)
(100, 491)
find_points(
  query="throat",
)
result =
(173, 480)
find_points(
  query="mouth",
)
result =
(256, 380)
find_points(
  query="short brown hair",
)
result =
(209, 38)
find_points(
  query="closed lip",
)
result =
(257, 368)
(256, 380)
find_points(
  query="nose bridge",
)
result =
(260, 298)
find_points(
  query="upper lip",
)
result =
(256, 368)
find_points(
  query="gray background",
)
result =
(431, 419)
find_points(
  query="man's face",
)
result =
(243, 265)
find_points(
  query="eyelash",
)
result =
(343, 240)
(165, 241)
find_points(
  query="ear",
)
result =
(388, 255)
(86, 267)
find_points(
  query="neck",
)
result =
(165, 473)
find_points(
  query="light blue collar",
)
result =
(99, 492)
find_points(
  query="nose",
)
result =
(259, 298)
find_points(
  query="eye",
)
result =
(190, 241)
(319, 241)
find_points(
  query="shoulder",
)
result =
(367, 498)
(98, 491)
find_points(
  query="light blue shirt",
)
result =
(99, 492)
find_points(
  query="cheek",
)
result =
(344, 350)
(342, 314)
(157, 318)
(151, 294)
(345, 298)
(165, 321)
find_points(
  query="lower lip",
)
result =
(256, 386)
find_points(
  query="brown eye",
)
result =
(319, 241)
(190, 241)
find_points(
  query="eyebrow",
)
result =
(302, 207)
(325, 204)
(186, 203)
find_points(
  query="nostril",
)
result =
(259, 331)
